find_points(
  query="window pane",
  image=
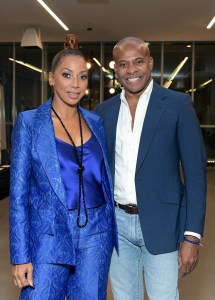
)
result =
(28, 80)
(177, 66)
(92, 51)
(111, 84)
(204, 95)
(155, 50)
(6, 88)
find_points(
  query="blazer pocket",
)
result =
(47, 227)
(171, 196)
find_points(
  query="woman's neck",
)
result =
(64, 110)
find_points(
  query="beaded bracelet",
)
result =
(192, 242)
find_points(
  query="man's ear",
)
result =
(151, 62)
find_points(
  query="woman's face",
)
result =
(70, 80)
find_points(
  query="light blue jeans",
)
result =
(127, 268)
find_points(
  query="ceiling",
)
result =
(110, 20)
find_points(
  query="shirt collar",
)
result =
(147, 92)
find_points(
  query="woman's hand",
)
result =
(23, 275)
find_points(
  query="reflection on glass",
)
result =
(28, 82)
(26, 65)
(205, 92)
(177, 54)
(175, 72)
(6, 92)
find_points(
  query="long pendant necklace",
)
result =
(80, 169)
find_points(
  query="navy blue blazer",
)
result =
(170, 136)
(39, 231)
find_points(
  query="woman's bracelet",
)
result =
(192, 242)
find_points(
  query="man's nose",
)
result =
(131, 68)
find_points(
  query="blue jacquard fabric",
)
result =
(39, 230)
(88, 279)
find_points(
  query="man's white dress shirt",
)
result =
(127, 145)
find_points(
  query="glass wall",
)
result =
(111, 84)
(92, 52)
(204, 92)
(181, 66)
(28, 69)
(6, 94)
(156, 53)
(177, 66)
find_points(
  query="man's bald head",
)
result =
(137, 42)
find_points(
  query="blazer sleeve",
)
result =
(194, 164)
(19, 192)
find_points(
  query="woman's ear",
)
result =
(51, 79)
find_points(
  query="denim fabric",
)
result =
(134, 260)
(87, 280)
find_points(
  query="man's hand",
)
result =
(188, 256)
(23, 275)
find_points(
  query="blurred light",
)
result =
(191, 90)
(96, 60)
(27, 65)
(87, 92)
(105, 70)
(200, 86)
(189, 46)
(206, 82)
(111, 64)
(168, 83)
(112, 90)
(52, 14)
(211, 23)
(175, 72)
(89, 65)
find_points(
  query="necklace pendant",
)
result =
(80, 169)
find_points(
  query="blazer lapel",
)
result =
(97, 129)
(156, 107)
(46, 149)
(110, 121)
(91, 120)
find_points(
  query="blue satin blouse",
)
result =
(93, 163)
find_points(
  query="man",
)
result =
(150, 132)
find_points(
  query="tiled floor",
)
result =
(200, 285)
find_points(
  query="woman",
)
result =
(62, 223)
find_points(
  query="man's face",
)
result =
(133, 66)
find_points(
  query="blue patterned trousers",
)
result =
(87, 280)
